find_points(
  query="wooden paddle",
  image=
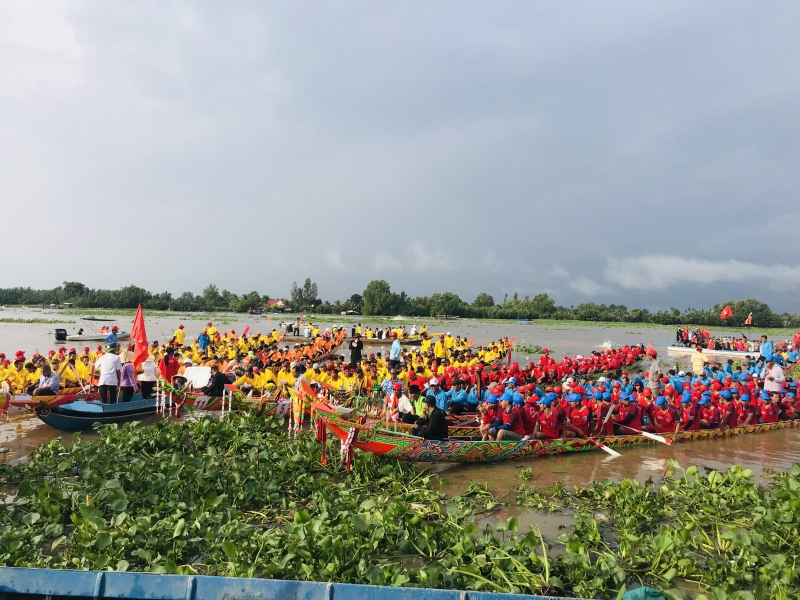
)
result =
(647, 434)
(603, 447)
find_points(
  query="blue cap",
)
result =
(790, 395)
(685, 399)
(768, 357)
(661, 401)
(519, 399)
(546, 401)
(512, 380)
(764, 396)
(573, 398)
(725, 394)
(606, 395)
(793, 385)
(506, 398)
(491, 399)
(702, 401)
(624, 396)
(597, 395)
(551, 396)
(745, 398)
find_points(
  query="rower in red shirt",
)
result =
(690, 417)
(771, 408)
(709, 415)
(663, 420)
(548, 427)
(629, 415)
(578, 415)
(604, 426)
(729, 416)
(748, 414)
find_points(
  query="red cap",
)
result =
(73, 351)
(115, 328)
(99, 347)
(209, 323)
(51, 352)
(180, 326)
(86, 348)
(62, 349)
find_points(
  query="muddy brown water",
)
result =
(776, 450)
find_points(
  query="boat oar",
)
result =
(603, 447)
(647, 434)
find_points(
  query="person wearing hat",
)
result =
(510, 426)
(110, 368)
(548, 427)
(438, 394)
(772, 409)
(578, 415)
(356, 345)
(433, 425)
(709, 414)
(179, 336)
(629, 415)
(169, 366)
(748, 413)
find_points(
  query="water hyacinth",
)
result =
(235, 497)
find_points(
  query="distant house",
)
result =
(275, 304)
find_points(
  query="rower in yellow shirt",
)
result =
(179, 335)
(212, 331)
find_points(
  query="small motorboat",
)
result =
(81, 415)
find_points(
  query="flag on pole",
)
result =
(246, 329)
(139, 337)
(749, 320)
(726, 313)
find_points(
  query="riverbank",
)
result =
(399, 321)
(236, 497)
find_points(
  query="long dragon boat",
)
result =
(381, 442)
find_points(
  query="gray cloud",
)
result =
(589, 150)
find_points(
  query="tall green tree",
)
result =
(483, 300)
(378, 298)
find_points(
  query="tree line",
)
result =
(131, 296)
(378, 299)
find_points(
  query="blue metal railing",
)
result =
(146, 586)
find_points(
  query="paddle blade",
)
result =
(610, 451)
(657, 438)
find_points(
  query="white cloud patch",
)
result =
(586, 286)
(662, 271)
(425, 259)
(382, 261)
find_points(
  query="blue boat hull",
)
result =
(70, 418)
(48, 582)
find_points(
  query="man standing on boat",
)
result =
(356, 346)
(766, 348)
(111, 338)
(110, 374)
(179, 335)
(394, 352)
(772, 375)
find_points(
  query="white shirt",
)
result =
(109, 365)
(404, 405)
(777, 372)
(149, 371)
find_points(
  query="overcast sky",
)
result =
(643, 153)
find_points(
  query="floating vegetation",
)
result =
(34, 321)
(236, 497)
(527, 349)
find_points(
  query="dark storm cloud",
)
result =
(620, 152)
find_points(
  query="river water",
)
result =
(775, 450)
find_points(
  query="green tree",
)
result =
(483, 300)
(448, 304)
(378, 298)
(303, 298)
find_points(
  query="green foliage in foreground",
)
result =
(237, 498)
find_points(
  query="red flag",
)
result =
(726, 313)
(246, 329)
(139, 337)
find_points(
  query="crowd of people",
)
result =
(519, 403)
(703, 337)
